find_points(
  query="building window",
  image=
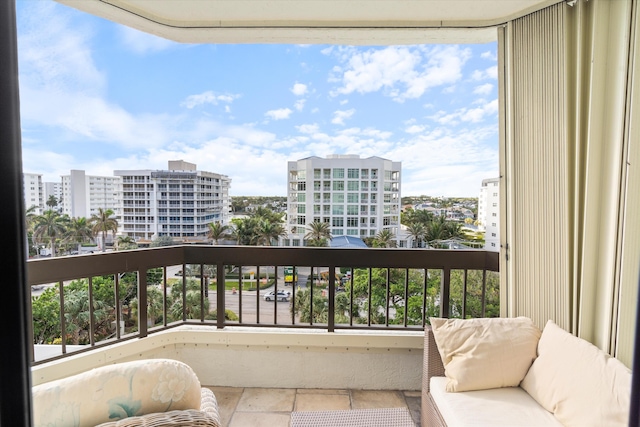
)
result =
(352, 221)
(302, 186)
(302, 209)
(338, 173)
(353, 185)
(337, 210)
(353, 173)
(338, 197)
(352, 209)
(338, 185)
(337, 222)
(316, 174)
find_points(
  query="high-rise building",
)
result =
(357, 196)
(489, 213)
(83, 194)
(33, 194)
(53, 189)
(179, 202)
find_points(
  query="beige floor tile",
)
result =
(228, 398)
(322, 402)
(321, 391)
(365, 399)
(266, 400)
(259, 419)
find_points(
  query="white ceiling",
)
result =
(314, 21)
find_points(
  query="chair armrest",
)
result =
(432, 362)
(206, 416)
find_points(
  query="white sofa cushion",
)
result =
(498, 407)
(582, 385)
(485, 353)
(115, 392)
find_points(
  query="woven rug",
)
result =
(386, 417)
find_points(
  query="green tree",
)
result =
(162, 241)
(102, 223)
(268, 231)
(417, 230)
(52, 202)
(319, 234)
(49, 228)
(46, 316)
(78, 231)
(384, 239)
(217, 231)
(125, 242)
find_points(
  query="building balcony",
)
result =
(200, 305)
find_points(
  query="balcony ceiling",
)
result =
(356, 22)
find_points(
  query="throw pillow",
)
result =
(485, 353)
(576, 381)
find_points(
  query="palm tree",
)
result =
(52, 202)
(319, 233)
(417, 230)
(78, 231)
(385, 239)
(217, 231)
(268, 231)
(102, 222)
(48, 228)
(436, 230)
(125, 242)
(244, 230)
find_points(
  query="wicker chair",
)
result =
(207, 416)
(432, 367)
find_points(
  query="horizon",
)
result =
(98, 96)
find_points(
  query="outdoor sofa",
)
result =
(153, 392)
(506, 372)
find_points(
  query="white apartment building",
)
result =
(33, 192)
(179, 202)
(357, 196)
(489, 213)
(83, 194)
(53, 189)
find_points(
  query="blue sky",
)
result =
(99, 97)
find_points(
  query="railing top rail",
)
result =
(57, 269)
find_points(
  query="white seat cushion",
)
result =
(498, 407)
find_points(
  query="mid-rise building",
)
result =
(489, 213)
(53, 189)
(83, 194)
(33, 192)
(179, 202)
(357, 196)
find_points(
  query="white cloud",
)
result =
(341, 115)
(310, 128)
(141, 43)
(488, 73)
(415, 129)
(299, 104)
(400, 72)
(280, 114)
(472, 115)
(489, 55)
(208, 97)
(484, 89)
(299, 89)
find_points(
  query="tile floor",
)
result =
(269, 407)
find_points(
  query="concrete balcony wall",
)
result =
(273, 357)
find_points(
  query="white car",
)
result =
(282, 296)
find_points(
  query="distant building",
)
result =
(33, 192)
(489, 213)
(53, 189)
(83, 195)
(357, 196)
(179, 202)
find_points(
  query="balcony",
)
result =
(319, 346)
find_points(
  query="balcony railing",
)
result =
(106, 298)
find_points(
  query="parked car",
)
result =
(282, 296)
